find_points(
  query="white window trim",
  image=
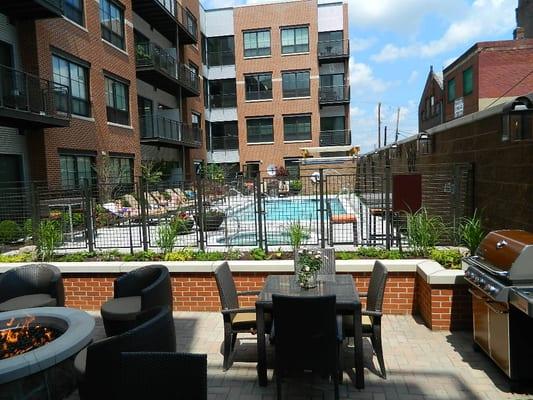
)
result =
(119, 125)
(117, 48)
(258, 143)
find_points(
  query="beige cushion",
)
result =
(244, 321)
(347, 324)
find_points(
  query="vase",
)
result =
(308, 280)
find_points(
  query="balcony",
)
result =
(333, 50)
(32, 9)
(165, 131)
(334, 95)
(27, 101)
(223, 143)
(223, 100)
(341, 137)
(167, 15)
(158, 68)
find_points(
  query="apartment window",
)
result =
(222, 93)
(260, 130)
(330, 43)
(205, 84)
(295, 84)
(75, 76)
(73, 10)
(257, 43)
(297, 128)
(121, 169)
(251, 169)
(145, 108)
(292, 166)
(112, 22)
(295, 40)
(76, 170)
(224, 136)
(258, 86)
(468, 81)
(451, 90)
(117, 101)
(220, 51)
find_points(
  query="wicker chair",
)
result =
(149, 375)
(307, 337)
(134, 292)
(373, 312)
(236, 319)
(33, 285)
(99, 365)
(328, 262)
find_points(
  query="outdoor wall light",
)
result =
(394, 151)
(424, 143)
(517, 119)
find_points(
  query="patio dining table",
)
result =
(348, 302)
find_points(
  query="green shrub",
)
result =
(424, 231)
(209, 256)
(50, 237)
(110, 255)
(77, 257)
(27, 228)
(297, 234)
(186, 254)
(346, 255)
(167, 238)
(233, 254)
(470, 232)
(295, 185)
(448, 258)
(142, 256)
(371, 252)
(258, 254)
(15, 258)
(9, 231)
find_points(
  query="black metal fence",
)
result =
(326, 206)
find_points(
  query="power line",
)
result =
(511, 88)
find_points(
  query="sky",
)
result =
(393, 43)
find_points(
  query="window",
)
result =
(468, 81)
(74, 76)
(258, 86)
(145, 108)
(330, 43)
(295, 40)
(257, 43)
(451, 90)
(297, 128)
(252, 169)
(220, 51)
(117, 101)
(75, 170)
(295, 84)
(205, 84)
(292, 166)
(260, 130)
(112, 23)
(121, 169)
(224, 136)
(73, 10)
(195, 120)
(332, 131)
(222, 93)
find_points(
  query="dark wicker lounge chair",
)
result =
(373, 312)
(99, 365)
(149, 375)
(136, 291)
(307, 337)
(33, 285)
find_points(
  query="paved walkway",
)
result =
(421, 365)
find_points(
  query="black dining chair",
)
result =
(163, 375)
(372, 313)
(306, 337)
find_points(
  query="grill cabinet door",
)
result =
(499, 335)
(480, 313)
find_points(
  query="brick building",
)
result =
(524, 20)
(430, 106)
(276, 78)
(487, 74)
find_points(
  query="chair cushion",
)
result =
(80, 362)
(122, 308)
(347, 325)
(244, 321)
(29, 301)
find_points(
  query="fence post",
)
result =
(200, 197)
(322, 227)
(144, 221)
(35, 213)
(88, 207)
(388, 205)
(259, 200)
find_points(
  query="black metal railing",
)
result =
(300, 92)
(340, 137)
(187, 20)
(223, 100)
(223, 143)
(334, 94)
(159, 127)
(188, 78)
(22, 91)
(333, 48)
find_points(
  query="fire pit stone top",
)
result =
(78, 334)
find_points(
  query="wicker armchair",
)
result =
(236, 319)
(373, 312)
(99, 365)
(307, 337)
(134, 292)
(149, 375)
(33, 285)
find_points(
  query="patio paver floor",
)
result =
(421, 365)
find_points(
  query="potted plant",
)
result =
(182, 223)
(295, 186)
(212, 219)
(308, 264)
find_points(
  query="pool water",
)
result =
(289, 210)
(250, 239)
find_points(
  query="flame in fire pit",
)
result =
(27, 335)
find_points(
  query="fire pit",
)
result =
(37, 349)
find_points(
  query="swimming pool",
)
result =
(249, 238)
(289, 210)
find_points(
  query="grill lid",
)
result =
(508, 250)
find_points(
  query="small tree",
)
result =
(297, 234)
(110, 177)
(49, 239)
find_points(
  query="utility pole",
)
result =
(385, 137)
(379, 125)
(397, 125)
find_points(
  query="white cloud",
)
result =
(362, 79)
(413, 77)
(485, 17)
(360, 44)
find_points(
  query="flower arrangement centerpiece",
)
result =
(308, 264)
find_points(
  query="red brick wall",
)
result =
(444, 307)
(198, 291)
